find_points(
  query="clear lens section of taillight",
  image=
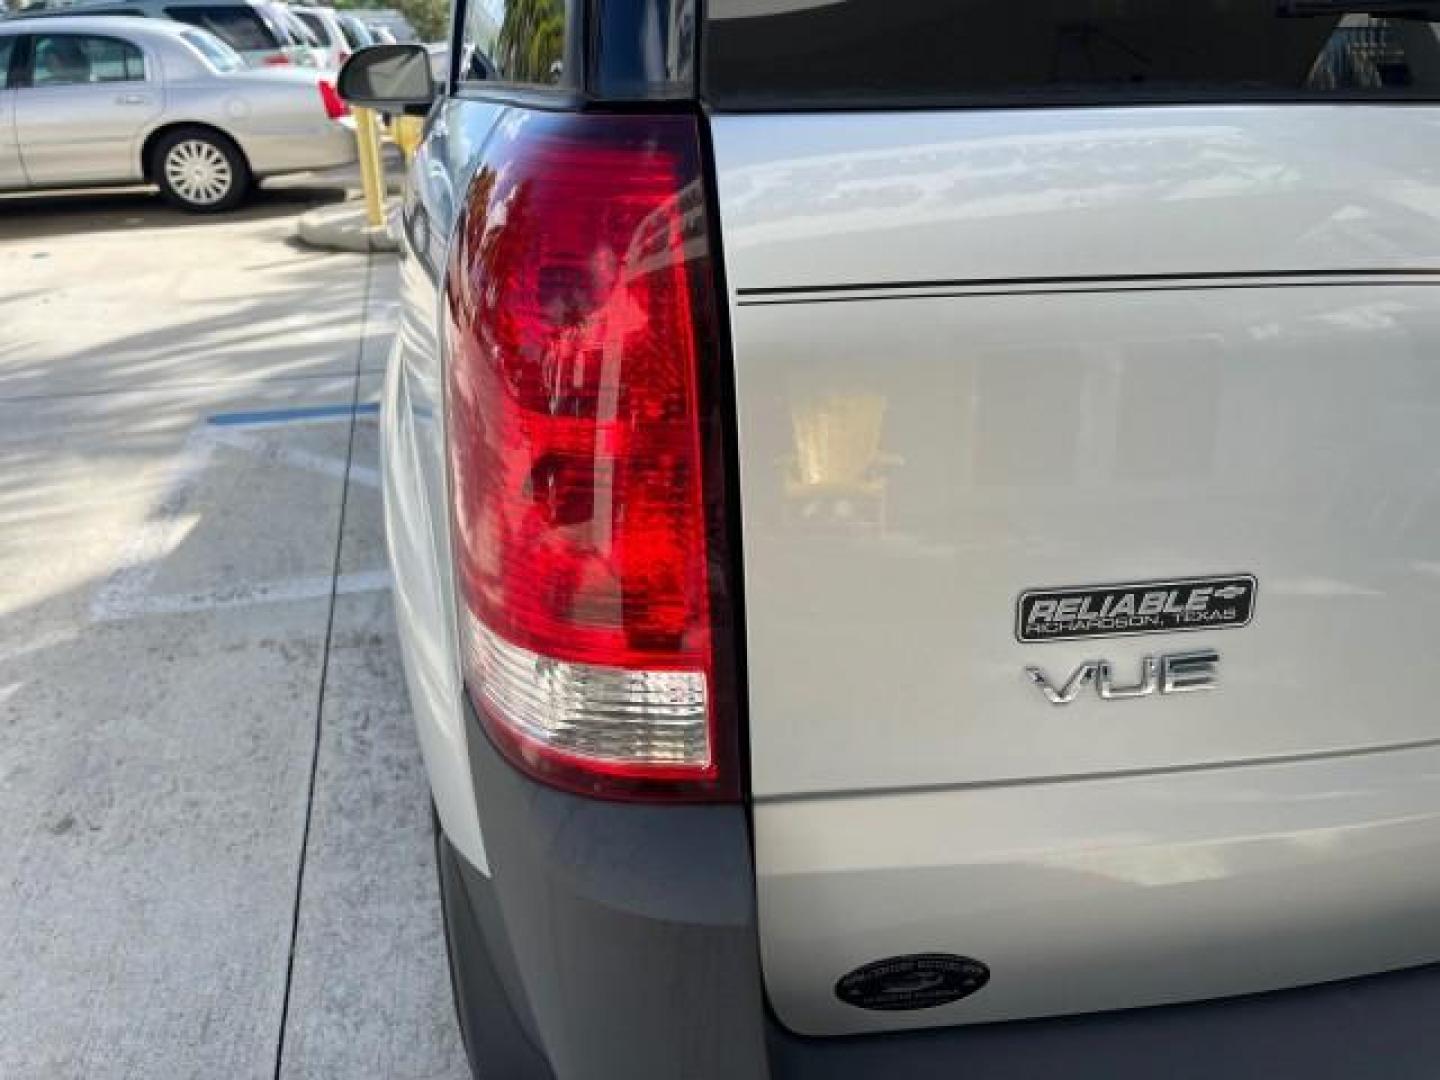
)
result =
(603, 715)
(581, 327)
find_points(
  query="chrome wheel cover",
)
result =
(198, 172)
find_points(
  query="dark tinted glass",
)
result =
(355, 32)
(300, 34)
(644, 49)
(314, 25)
(219, 55)
(777, 52)
(239, 27)
(514, 41)
(7, 50)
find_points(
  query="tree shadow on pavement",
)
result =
(302, 320)
(38, 216)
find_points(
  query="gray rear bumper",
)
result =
(1383, 1026)
(621, 935)
(617, 942)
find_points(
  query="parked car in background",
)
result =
(916, 538)
(325, 26)
(357, 34)
(95, 100)
(304, 37)
(391, 20)
(257, 29)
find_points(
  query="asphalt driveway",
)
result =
(215, 846)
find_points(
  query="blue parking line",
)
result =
(286, 416)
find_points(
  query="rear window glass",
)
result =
(313, 22)
(878, 52)
(216, 53)
(355, 33)
(300, 34)
(239, 27)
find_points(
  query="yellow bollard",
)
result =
(372, 172)
(405, 130)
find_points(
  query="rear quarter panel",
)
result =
(277, 118)
(417, 492)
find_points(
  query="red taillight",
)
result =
(277, 60)
(582, 332)
(335, 105)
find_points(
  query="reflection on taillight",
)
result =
(584, 458)
(335, 105)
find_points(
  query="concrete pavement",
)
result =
(214, 832)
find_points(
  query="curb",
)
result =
(342, 227)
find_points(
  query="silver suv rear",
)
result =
(914, 532)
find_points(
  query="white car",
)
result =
(264, 33)
(104, 100)
(307, 41)
(324, 24)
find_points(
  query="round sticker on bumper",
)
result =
(919, 981)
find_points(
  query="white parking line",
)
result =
(275, 592)
(125, 593)
(300, 459)
(162, 532)
(37, 644)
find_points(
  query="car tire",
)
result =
(200, 170)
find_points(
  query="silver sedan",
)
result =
(101, 100)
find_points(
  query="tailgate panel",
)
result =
(1105, 894)
(913, 465)
(984, 352)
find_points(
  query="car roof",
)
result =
(100, 7)
(136, 24)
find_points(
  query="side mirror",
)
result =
(388, 79)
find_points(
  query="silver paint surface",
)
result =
(95, 133)
(981, 351)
